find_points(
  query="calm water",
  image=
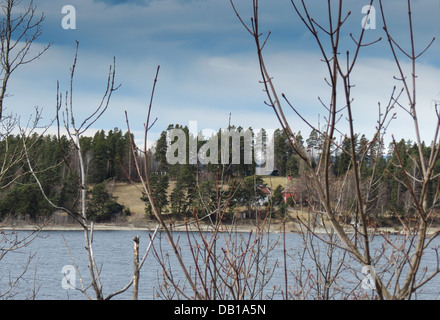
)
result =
(114, 253)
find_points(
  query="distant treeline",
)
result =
(380, 169)
(197, 188)
(106, 156)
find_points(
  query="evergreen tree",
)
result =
(102, 206)
(277, 196)
(183, 194)
(280, 151)
(159, 185)
(248, 194)
(343, 159)
(69, 193)
(206, 199)
(160, 153)
(292, 166)
(100, 158)
(314, 144)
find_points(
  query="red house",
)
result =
(266, 191)
(291, 192)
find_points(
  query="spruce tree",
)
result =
(159, 185)
(183, 195)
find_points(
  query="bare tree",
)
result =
(403, 281)
(143, 174)
(18, 32)
(19, 29)
(219, 262)
(10, 241)
(65, 113)
(224, 263)
(74, 132)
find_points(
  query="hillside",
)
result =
(129, 194)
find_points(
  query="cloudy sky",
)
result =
(209, 65)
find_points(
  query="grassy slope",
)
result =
(129, 195)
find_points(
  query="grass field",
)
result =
(129, 195)
(274, 182)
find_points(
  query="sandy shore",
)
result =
(147, 227)
(274, 227)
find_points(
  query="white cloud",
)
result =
(208, 67)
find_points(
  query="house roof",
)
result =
(291, 189)
(264, 189)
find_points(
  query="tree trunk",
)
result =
(136, 267)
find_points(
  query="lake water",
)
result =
(114, 253)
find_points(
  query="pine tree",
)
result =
(159, 185)
(280, 151)
(160, 153)
(100, 158)
(102, 206)
(314, 144)
(184, 193)
(206, 199)
(343, 159)
(248, 194)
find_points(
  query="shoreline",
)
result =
(147, 227)
(273, 228)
